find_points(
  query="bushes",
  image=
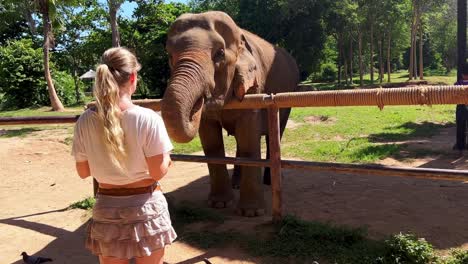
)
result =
(328, 73)
(65, 87)
(21, 75)
(407, 248)
(22, 82)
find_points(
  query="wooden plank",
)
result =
(378, 170)
(275, 162)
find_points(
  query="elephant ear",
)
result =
(246, 71)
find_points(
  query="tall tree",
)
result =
(79, 25)
(47, 9)
(114, 6)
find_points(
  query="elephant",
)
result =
(213, 61)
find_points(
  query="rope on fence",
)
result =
(421, 95)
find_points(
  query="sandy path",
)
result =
(38, 182)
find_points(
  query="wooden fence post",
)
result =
(275, 162)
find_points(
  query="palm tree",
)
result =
(47, 9)
(114, 6)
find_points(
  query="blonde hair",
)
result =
(117, 64)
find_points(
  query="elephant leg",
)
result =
(284, 115)
(221, 194)
(251, 200)
(236, 178)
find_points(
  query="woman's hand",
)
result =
(159, 165)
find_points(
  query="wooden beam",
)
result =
(378, 170)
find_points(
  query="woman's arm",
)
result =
(83, 169)
(159, 165)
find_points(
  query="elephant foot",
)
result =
(251, 208)
(236, 178)
(250, 212)
(220, 201)
(267, 176)
(235, 182)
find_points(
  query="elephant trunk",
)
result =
(183, 101)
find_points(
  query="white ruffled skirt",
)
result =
(129, 226)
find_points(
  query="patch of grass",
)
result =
(301, 241)
(21, 132)
(361, 134)
(306, 240)
(68, 141)
(42, 111)
(431, 76)
(86, 204)
(407, 131)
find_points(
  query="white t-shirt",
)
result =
(145, 136)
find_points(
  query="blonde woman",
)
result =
(126, 149)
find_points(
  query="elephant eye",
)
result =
(219, 56)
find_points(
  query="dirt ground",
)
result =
(38, 183)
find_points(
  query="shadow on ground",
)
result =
(68, 247)
(435, 210)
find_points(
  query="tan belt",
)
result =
(129, 191)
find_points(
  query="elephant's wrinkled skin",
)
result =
(212, 60)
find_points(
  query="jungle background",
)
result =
(337, 44)
(46, 45)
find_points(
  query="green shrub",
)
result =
(458, 257)
(407, 248)
(65, 88)
(21, 75)
(328, 73)
(85, 204)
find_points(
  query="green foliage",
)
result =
(65, 87)
(407, 248)
(328, 73)
(21, 75)
(458, 257)
(86, 204)
(295, 25)
(146, 35)
(13, 25)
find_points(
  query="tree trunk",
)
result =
(421, 64)
(28, 16)
(76, 81)
(345, 61)
(389, 50)
(371, 64)
(113, 9)
(351, 61)
(411, 58)
(361, 70)
(54, 100)
(415, 59)
(339, 58)
(380, 61)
